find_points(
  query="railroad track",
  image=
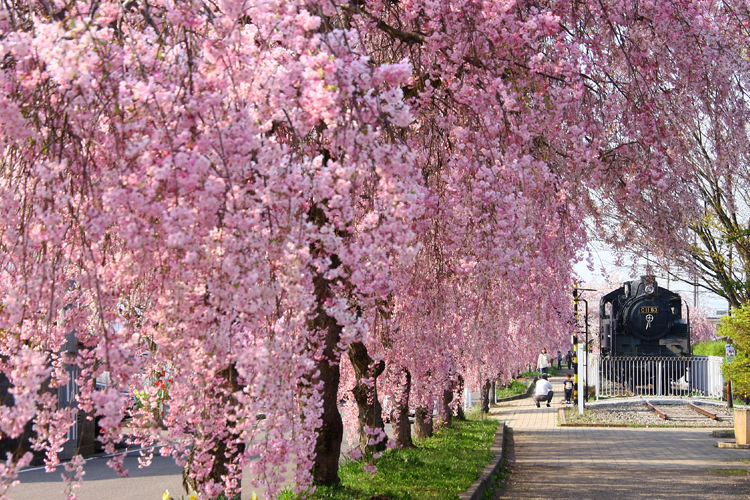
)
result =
(689, 412)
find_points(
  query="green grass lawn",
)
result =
(553, 372)
(529, 374)
(440, 467)
(710, 348)
(513, 389)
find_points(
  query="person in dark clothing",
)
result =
(569, 359)
(568, 386)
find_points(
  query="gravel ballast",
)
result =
(639, 414)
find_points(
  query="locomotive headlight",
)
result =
(649, 284)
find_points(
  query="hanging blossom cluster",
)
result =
(260, 205)
(173, 180)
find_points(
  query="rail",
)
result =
(703, 411)
(657, 411)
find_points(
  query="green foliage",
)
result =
(554, 372)
(730, 472)
(737, 328)
(710, 348)
(196, 496)
(439, 468)
(473, 412)
(288, 494)
(513, 389)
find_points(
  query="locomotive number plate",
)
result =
(649, 310)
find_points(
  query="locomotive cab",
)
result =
(643, 319)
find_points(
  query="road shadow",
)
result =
(97, 469)
(594, 483)
(597, 483)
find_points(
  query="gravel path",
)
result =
(638, 413)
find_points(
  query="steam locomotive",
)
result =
(643, 319)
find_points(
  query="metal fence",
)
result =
(656, 376)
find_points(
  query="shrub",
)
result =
(737, 328)
(513, 389)
(710, 348)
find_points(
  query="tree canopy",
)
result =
(267, 203)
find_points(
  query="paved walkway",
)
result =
(539, 441)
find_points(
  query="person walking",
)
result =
(543, 391)
(543, 362)
(559, 359)
(569, 359)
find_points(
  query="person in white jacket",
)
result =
(543, 391)
(543, 362)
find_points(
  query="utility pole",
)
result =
(730, 399)
(575, 345)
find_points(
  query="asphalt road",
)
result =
(100, 481)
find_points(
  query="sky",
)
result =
(604, 264)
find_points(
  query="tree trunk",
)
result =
(223, 455)
(366, 395)
(486, 396)
(447, 413)
(226, 450)
(403, 426)
(422, 426)
(461, 415)
(331, 430)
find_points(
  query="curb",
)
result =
(478, 488)
(520, 396)
(723, 433)
(598, 425)
(733, 444)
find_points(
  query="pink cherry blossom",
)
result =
(210, 205)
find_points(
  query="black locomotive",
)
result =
(643, 319)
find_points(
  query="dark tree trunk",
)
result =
(403, 426)
(226, 449)
(461, 415)
(366, 396)
(447, 413)
(422, 425)
(222, 455)
(331, 431)
(486, 396)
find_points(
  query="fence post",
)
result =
(659, 378)
(597, 362)
(581, 387)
